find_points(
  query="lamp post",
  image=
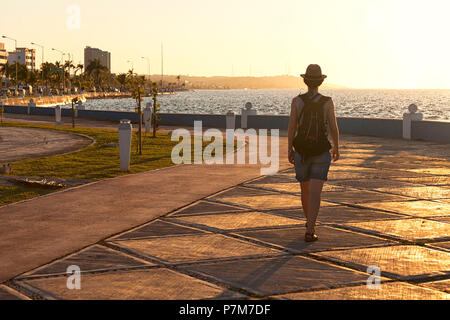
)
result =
(17, 79)
(162, 65)
(132, 64)
(69, 64)
(62, 64)
(148, 65)
(42, 71)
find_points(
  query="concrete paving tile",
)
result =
(407, 229)
(371, 184)
(440, 245)
(328, 187)
(358, 150)
(352, 161)
(269, 201)
(90, 259)
(442, 285)
(421, 208)
(154, 284)
(360, 196)
(296, 213)
(241, 192)
(288, 171)
(388, 173)
(206, 207)
(345, 214)
(235, 221)
(432, 181)
(443, 171)
(387, 291)
(278, 178)
(341, 175)
(402, 262)
(6, 293)
(278, 275)
(359, 155)
(294, 187)
(329, 239)
(392, 163)
(424, 192)
(157, 228)
(195, 248)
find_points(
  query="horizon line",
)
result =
(286, 75)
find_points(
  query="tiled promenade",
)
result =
(387, 204)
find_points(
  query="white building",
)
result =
(94, 53)
(23, 56)
(3, 54)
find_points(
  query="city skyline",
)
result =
(360, 44)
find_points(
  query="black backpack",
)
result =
(311, 139)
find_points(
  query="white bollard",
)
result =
(31, 104)
(248, 111)
(407, 118)
(58, 120)
(148, 117)
(231, 120)
(125, 129)
(79, 106)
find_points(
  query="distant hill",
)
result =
(218, 82)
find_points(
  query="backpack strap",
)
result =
(306, 100)
(300, 108)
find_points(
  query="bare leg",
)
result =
(305, 197)
(315, 190)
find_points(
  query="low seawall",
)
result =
(66, 99)
(389, 128)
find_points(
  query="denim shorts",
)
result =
(315, 167)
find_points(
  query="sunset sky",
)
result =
(358, 43)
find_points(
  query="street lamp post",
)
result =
(42, 63)
(148, 65)
(132, 64)
(17, 79)
(62, 64)
(70, 62)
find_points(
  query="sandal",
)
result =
(311, 237)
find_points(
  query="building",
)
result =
(91, 54)
(3, 54)
(23, 56)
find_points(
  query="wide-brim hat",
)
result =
(313, 72)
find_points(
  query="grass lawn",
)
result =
(94, 162)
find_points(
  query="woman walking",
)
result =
(311, 121)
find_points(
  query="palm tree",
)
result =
(3, 68)
(122, 79)
(32, 78)
(69, 65)
(59, 75)
(178, 81)
(95, 68)
(79, 67)
(47, 69)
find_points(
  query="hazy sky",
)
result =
(358, 43)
